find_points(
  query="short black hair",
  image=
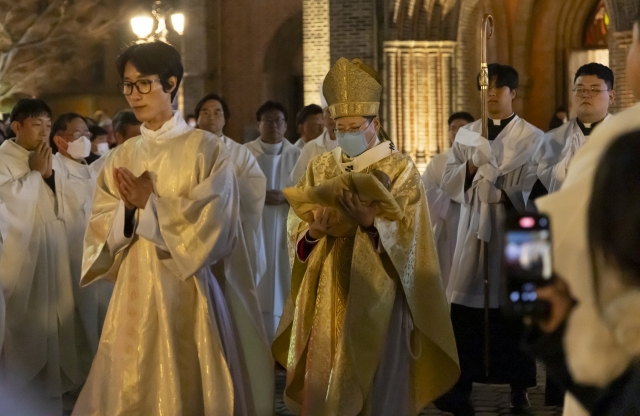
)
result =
(271, 105)
(154, 58)
(460, 115)
(601, 71)
(306, 112)
(614, 209)
(505, 76)
(124, 119)
(29, 107)
(213, 96)
(61, 124)
(97, 131)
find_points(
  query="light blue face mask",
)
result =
(353, 143)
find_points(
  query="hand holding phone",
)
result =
(527, 264)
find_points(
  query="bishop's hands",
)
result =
(40, 160)
(353, 207)
(134, 191)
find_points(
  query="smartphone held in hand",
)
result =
(527, 263)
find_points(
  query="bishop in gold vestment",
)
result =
(366, 328)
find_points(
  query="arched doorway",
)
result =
(283, 72)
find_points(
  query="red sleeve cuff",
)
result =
(305, 248)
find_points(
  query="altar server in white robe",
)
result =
(592, 95)
(590, 359)
(38, 354)
(326, 142)
(183, 333)
(276, 157)
(310, 124)
(212, 113)
(443, 212)
(489, 178)
(75, 182)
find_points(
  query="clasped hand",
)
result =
(134, 191)
(40, 160)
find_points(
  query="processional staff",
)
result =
(486, 32)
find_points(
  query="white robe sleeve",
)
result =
(148, 227)
(437, 199)
(455, 175)
(301, 166)
(116, 241)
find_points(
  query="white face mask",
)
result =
(79, 148)
(353, 143)
(102, 148)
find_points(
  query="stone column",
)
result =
(194, 55)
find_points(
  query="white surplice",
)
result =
(315, 147)
(38, 353)
(443, 212)
(511, 170)
(299, 143)
(183, 333)
(568, 211)
(556, 151)
(252, 186)
(75, 183)
(277, 163)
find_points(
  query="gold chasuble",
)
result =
(333, 334)
(162, 347)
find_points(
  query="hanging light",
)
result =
(142, 26)
(177, 21)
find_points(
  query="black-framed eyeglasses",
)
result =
(580, 91)
(142, 85)
(277, 121)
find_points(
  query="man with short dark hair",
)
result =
(277, 158)
(310, 123)
(39, 351)
(488, 177)
(125, 126)
(593, 93)
(212, 113)
(444, 213)
(183, 333)
(326, 142)
(568, 212)
(99, 144)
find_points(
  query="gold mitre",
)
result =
(352, 89)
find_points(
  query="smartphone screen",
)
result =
(527, 259)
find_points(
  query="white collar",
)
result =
(176, 126)
(363, 161)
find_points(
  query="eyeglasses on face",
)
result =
(142, 85)
(77, 134)
(354, 129)
(277, 121)
(580, 91)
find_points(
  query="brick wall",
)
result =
(353, 30)
(619, 43)
(316, 47)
